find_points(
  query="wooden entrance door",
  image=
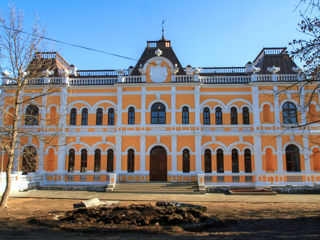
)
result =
(158, 164)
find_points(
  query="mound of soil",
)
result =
(141, 215)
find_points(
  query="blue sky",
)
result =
(204, 33)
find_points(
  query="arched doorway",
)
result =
(29, 160)
(158, 164)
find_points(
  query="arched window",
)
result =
(245, 115)
(71, 160)
(185, 160)
(131, 115)
(218, 116)
(130, 160)
(110, 160)
(220, 168)
(99, 116)
(97, 160)
(32, 115)
(158, 114)
(292, 158)
(84, 117)
(289, 113)
(206, 116)
(234, 115)
(84, 156)
(185, 115)
(247, 161)
(266, 114)
(73, 116)
(235, 161)
(207, 161)
(29, 159)
(111, 116)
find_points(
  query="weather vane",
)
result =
(163, 28)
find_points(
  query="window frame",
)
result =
(219, 118)
(289, 115)
(206, 116)
(245, 116)
(185, 115)
(185, 160)
(158, 113)
(31, 115)
(111, 117)
(131, 115)
(84, 117)
(99, 117)
(233, 116)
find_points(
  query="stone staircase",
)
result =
(157, 188)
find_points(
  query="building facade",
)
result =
(159, 121)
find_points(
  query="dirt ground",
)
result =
(244, 220)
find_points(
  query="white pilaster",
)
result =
(62, 148)
(41, 156)
(142, 154)
(303, 106)
(43, 111)
(173, 106)
(255, 105)
(197, 105)
(279, 154)
(257, 154)
(174, 153)
(143, 106)
(119, 107)
(17, 156)
(198, 153)
(276, 106)
(118, 153)
(306, 153)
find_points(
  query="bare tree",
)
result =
(20, 65)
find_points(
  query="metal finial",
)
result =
(163, 28)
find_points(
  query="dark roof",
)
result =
(277, 57)
(167, 52)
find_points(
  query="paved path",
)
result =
(208, 197)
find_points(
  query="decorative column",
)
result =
(276, 106)
(279, 154)
(303, 108)
(62, 137)
(41, 156)
(173, 106)
(119, 107)
(255, 105)
(17, 156)
(198, 154)
(143, 107)
(44, 110)
(306, 153)
(257, 154)
(197, 105)
(118, 153)
(174, 154)
(142, 154)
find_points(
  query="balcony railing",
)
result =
(107, 77)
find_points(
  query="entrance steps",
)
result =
(157, 188)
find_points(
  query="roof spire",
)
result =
(163, 28)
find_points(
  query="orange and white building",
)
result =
(160, 121)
